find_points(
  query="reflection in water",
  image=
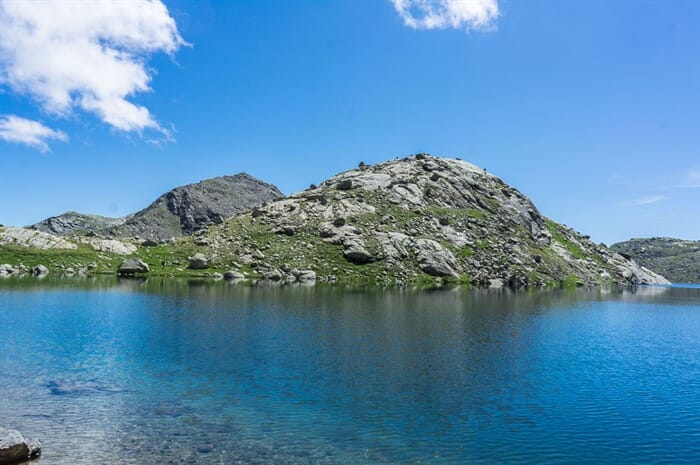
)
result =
(167, 371)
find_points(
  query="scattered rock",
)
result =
(132, 266)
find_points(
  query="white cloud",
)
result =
(25, 131)
(89, 55)
(442, 14)
(648, 200)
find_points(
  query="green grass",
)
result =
(465, 252)
(55, 259)
(557, 235)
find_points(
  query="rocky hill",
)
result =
(677, 259)
(413, 219)
(75, 223)
(186, 209)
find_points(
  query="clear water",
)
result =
(107, 372)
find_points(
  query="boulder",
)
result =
(14, 448)
(344, 185)
(40, 270)
(7, 270)
(132, 266)
(233, 275)
(355, 252)
(305, 276)
(198, 261)
(434, 259)
(273, 275)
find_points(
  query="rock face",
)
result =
(36, 239)
(14, 448)
(74, 222)
(676, 259)
(132, 266)
(421, 217)
(188, 208)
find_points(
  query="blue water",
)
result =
(161, 372)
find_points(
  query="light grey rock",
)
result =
(132, 266)
(40, 270)
(306, 276)
(273, 275)
(36, 239)
(7, 270)
(15, 448)
(434, 259)
(356, 252)
(198, 261)
(233, 275)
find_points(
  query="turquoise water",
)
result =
(157, 372)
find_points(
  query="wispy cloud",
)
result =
(87, 55)
(442, 14)
(648, 200)
(691, 180)
(28, 132)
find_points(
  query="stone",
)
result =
(217, 276)
(306, 276)
(344, 185)
(355, 252)
(273, 275)
(434, 259)
(198, 261)
(40, 270)
(132, 266)
(15, 448)
(232, 275)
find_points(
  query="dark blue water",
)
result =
(176, 373)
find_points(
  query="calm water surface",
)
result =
(157, 372)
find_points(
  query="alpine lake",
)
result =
(109, 371)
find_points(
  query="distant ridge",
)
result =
(75, 223)
(677, 259)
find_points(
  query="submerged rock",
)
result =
(15, 448)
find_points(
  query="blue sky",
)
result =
(592, 109)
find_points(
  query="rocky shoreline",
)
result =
(15, 448)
